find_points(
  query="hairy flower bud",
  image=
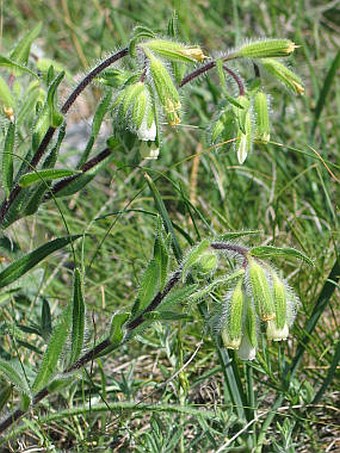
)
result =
(166, 90)
(261, 291)
(134, 110)
(267, 48)
(232, 328)
(175, 51)
(287, 77)
(262, 129)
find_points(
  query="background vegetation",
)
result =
(167, 391)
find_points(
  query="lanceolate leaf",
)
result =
(48, 367)
(22, 50)
(267, 251)
(149, 286)
(24, 264)
(12, 65)
(7, 159)
(78, 317)
(14, 376)
(117, 324)
(49, 174)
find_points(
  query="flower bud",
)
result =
(166, 90)
(243, 143)
(149, 152)
(261, 292)
(207, 263)
(135, 111)
(267, 48)
(232, 328)
(175, 51)
(262, 129)
(284, 75)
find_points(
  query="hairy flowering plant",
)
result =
(142, 98)
(249, 297)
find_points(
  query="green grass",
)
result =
(173, 388)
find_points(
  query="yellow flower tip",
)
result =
(298, 88)
(9, 112)
(268, 317)
(230, 343)
(171, 110)
(195, 53)
(291, 47)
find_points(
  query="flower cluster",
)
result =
(260, 296)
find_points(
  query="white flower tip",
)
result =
(246, 350)
(154, 153)
(145, 133)
(276, 334)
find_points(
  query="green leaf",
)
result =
(96, 123)
(49, 115)
(178, 296)
(161, 254)
(236, 234)
(166, 316)
(78, 317)
(194, 256)
(48, 367)
(22, 50)
(5, 94)
(7, 159)
(149, 286)
(77, 182)
(49, 174)
(266, 251)
(12, 65)
(117, 324)
(5, 393)
(46, 321)
(14, 376)
(17, 269)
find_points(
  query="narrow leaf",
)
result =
(117, 324)
(46, 321)
(12, 65)
(22, 50)
(17, 269)
(48, 367)
(78, 318)
(149, 286)
(7, 159)
(14, 376)
(40, 175)
(266, 251)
